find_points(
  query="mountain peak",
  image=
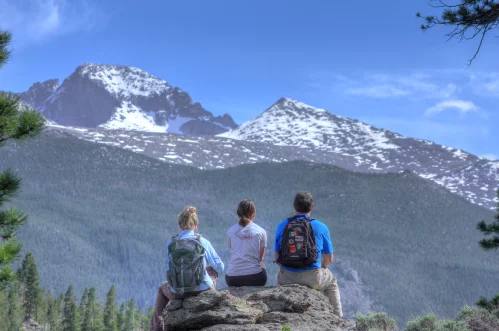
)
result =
(127, 98)
(122, 81)
(288, 104)
(294, 123)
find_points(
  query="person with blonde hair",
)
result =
(186, 263)
(247, 242)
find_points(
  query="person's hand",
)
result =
(211, 271)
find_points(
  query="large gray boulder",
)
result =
(255, 309)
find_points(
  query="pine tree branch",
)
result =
(9, 185)
(488, 228)
(479, 15)
(30, 123)
(9, 251)
(489, 244)
(10, 220)
(5, 38)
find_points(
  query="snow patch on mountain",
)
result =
(130, 117)
(125, 82)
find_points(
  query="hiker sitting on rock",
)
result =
(187, 256)
(247, 242)
(304, 250)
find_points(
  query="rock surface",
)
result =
(255, 308)
(31, 325)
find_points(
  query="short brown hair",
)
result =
(246, 212)
(188, 219)
(303, 202)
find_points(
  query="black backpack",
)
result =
(298, 248)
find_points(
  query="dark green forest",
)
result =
(99, 216)
(23, 302)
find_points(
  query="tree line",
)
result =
(24, 300)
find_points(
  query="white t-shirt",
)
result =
(245, 243)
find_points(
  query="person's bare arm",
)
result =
(276, 256)
(327, 260)
(262, 253)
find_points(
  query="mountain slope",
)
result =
(292, 123)
(120, 97)
(100, 215)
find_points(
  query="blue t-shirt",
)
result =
(322, 240)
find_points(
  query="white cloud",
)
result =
(416, 86)
(378, 91)
(459, 105)
(35, 20)
(492, 86)
(490, 157)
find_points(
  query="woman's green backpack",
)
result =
(186, 264)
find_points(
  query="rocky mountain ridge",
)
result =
(121, 97)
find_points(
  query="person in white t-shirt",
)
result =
(247, 242)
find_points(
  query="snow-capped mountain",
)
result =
(121, 97)
(291, 130)
(292, 123)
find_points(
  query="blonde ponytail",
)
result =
(188, 219)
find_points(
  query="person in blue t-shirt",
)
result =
(317, 276)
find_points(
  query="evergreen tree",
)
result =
(43, 299)
(130, 323)
(146, 320)
(70, 313)
(92, 319)
(469, 19)
(121, 317)
(492, 306)
(14, 124)
(111, 311)
(14, 311)
(83, 307)
(31, 283)
(490, 229)
(489, 244)
(53, 314)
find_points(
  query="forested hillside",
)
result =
(100, 215)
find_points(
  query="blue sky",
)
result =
(362, 59)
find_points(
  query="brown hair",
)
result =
(303, 202)
(188, 219)
(246, 212)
